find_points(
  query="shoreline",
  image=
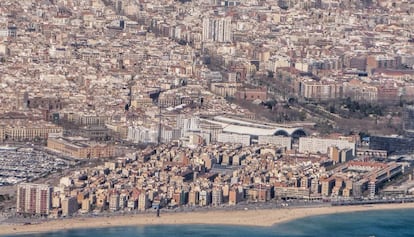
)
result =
(263, 218)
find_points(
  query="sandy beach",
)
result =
(247, 217)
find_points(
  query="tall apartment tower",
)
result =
(143, 202)
(217, 196)
(34, 199)
(217, 29)
(206, 29)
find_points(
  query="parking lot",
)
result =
(27, 164)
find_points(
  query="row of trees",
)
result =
(354, 109)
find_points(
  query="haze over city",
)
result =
(134, 110)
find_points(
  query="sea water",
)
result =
(389, 223)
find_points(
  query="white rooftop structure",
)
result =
(254, 128)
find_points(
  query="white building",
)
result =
(217, 29)
(190, 125)
(321, 145)
(276, 140)
(205, 197)
(234, 138)
(224, 129)
(114, 202)
(217, 196)
(140, 134)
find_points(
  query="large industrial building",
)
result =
(251, 132)
(392, 144)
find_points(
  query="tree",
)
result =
(270, 74)
(270, 104)
(324, 127)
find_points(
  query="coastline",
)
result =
(262, 218)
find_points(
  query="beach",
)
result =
(245, 218)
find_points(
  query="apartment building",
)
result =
(34, 199)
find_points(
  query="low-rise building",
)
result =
(80, 147)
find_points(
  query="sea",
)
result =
(389, 223)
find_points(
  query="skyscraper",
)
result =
(143, 202)
(34, 199)
(217, 196)
(217, 29)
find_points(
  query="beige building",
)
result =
(114, 202)
(235, 196)
(69, 206)
(224, 88)
(143, 202)
(234, 138)
(291, 192)
(80, 147)
(327, 186)
(193, 197)
(2, 133)
(322, 90)
(281, 141)
(27, 131)
(86, 119)
(86, 206)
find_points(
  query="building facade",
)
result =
(80, 148)
(321, 145)
(217, 29)
(34, 199)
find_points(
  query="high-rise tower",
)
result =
(217, 29)
(34, 199)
